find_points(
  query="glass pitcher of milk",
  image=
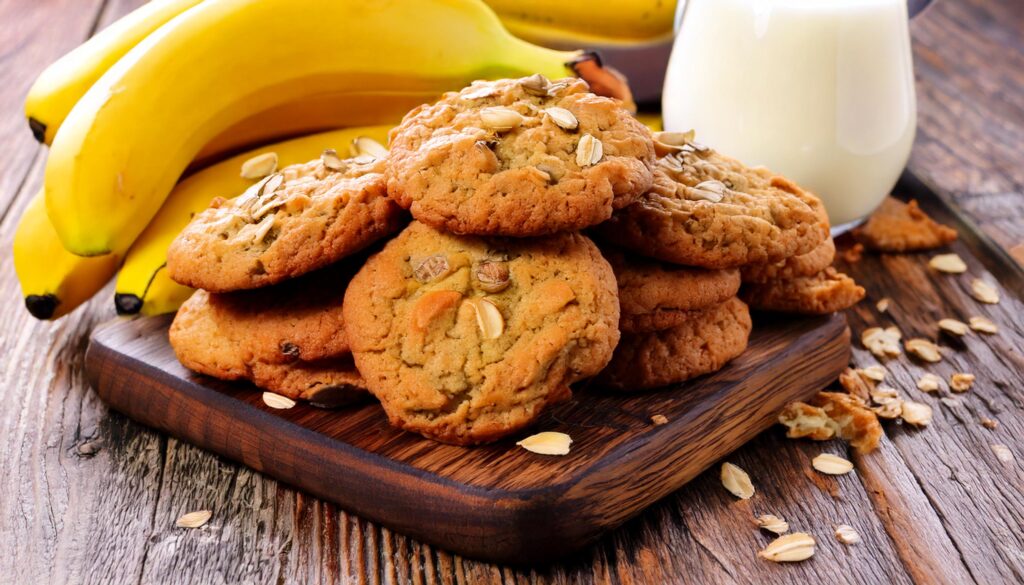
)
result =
(821, 91)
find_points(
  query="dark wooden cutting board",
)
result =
(498, 502)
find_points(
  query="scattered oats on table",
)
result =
(789, 548)
(772, 523)
(194, 519)
(883, 305)
(953, 327)
(547, 443)
(1002, 452)
(929, 382)
(983, 324)
(737, 481)
(830, 464)
(882, 342)
(846, 534)
(918, 414)
(984, 292)
(961, 382)
(948, 263)
(923, 349)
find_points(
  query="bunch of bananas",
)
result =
(180, 83)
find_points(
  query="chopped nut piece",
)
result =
(259, 166)
(883, 305)
(984, 292)
(804, 420)
(918, 414)
(194, 519)
(875, 373)
(953, 327)
(493, 276)
(989, 423)
(1002, 452)
(430, 268)
(948, 263)
(923, 349)
(547, 443)
(856, 384)
(851, 420)
(500, 119)
(831, 464)
(433, 310)
(737, 481)
(563, 118)
(659, 419)
(793, 547)
(961, 382)
(882, 342)
(929, 383)
(277, 401)
(983, 324)
(488, 318)
(773, 523)
(846, 534)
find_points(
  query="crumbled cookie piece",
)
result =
(902, 227)
(826, 292)
(854, 422)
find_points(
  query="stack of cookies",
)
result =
(491, 302)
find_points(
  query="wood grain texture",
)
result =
(497, 502)
(88, 496)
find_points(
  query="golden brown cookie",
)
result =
(709, 210)
(826, 292)
(299, 319)
(902, 227)
(807, 264)
(467, 339)
(519, 157)
(325, 383)
(654, 295)
(707, 340)
(297, 220)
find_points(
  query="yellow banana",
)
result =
(585, 23)
(60, 85)
(53, 280)
(126, 142)
(310, 115)
(142, 284)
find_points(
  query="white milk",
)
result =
(819, 90)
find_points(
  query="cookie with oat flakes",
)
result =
(709, 210)
(301, 218)
(519, 157)
(823, 293)
(467, 339)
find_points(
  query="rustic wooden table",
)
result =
(89, 496)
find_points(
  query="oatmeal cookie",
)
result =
(304, 217)
(654, 295)
(300, 319)
(709, 210)
(902, 227)
(467, 339)
(519, 157)
(826, 292)
(209, 337)
(807, 264)
(707, 340)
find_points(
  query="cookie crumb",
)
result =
(989, 423)
(883, 305)
(853, 254)
(659, 419)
